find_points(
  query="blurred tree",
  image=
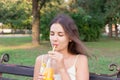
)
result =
(112, 15)
(43, 11)
(48, 12)
(15, 13)
(92, 15)
(88, 15)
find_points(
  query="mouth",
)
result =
(55, 45)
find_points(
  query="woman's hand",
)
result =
(58, 57)
(40, 77)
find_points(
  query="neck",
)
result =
(66, 54)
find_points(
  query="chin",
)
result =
(59, 50)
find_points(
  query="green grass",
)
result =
(106, 52)
(22, 52)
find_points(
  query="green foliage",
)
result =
(48, 12)
(112, 13)
(89, 24)
(89, 15)
(16, 13)
(45, 20)
(89, 29)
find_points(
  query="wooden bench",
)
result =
(28, 71)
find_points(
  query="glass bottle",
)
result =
(48, 72)
(43, 65)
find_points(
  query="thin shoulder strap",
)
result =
(42, 60)
(76, 60)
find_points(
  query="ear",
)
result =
(70, 40)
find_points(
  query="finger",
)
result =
(54, 56)
(41, 77)
(51, 53)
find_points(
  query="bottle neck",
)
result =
(49, 63)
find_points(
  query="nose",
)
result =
(55, 38)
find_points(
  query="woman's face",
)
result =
(58, 37)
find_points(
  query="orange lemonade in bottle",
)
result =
(48, 72)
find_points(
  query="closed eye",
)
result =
(52, 33)
(61, 34)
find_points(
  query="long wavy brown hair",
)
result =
(75, 46)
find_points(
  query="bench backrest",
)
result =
(28, 71)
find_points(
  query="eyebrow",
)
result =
(58, 32)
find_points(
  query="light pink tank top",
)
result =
(71, 71)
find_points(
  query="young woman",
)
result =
(69, 59)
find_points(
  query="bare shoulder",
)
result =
(82, 68)
(82, 59)
(39, 58)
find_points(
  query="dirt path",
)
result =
(14, 35)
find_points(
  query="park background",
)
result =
(29, 21)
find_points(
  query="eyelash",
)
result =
(60, 35)
(52, 34)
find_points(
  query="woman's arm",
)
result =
(82, 68)
(37, 68)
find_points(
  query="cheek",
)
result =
(50, 38)
(64, 41)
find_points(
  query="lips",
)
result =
(55, 45)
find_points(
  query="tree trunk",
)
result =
(116, 31)
(110, 30)
(36, 22)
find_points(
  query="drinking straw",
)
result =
(54, 48)
(50, 58)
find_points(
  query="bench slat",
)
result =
(96, 77)
(17, 70)
(28, 71)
